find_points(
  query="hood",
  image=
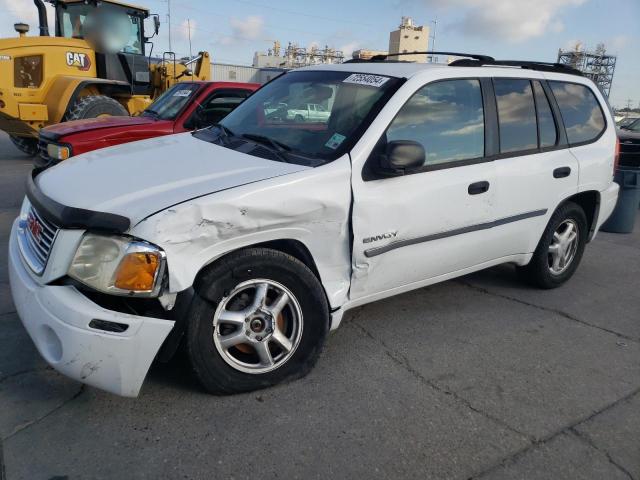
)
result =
(138, 179)
(75, 126)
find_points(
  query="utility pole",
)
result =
(189, 33)
(169, 22)
(433, 40)
(629, 104)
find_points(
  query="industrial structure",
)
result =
(596, 64)
(294, 56)
(408, 38)
(366, 54)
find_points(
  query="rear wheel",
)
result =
(93, 106)
(560, 249)
(260, 318)
(26, 145)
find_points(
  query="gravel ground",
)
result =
(480, 377)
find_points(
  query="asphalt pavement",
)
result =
(479, 377)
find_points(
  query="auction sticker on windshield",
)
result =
(335, 141)
(182, 93)
(365, 79)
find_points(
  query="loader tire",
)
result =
(93, 106)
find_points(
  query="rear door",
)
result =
(535, 170)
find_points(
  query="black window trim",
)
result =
(595, 97)
(517, 153)
(368, 172)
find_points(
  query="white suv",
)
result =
(247, 241)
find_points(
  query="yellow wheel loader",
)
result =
(50, 79)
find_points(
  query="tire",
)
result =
(299, 118)
(541, 271)
(232, 279)
(93, 106)
(26, 145)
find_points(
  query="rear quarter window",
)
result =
(581, 113)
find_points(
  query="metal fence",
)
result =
(226, 72)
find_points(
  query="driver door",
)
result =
(409, 230)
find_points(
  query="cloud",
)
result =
(183, 29)
(244, 29)
(511, 20)
(349, 48)
(23, 11)
(619, 42)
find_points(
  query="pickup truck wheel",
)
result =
(93, 106)
(560, 249)
(28, 146)
(260, 318)
(299, 118)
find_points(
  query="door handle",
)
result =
(478, 188)
(562, 172)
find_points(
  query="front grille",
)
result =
(36, 240)
(43, 160)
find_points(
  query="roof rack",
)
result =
(541, 66)
(383, 57)
(474, 60)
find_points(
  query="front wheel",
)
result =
(26, 145)
(260, 318)
(560, 249)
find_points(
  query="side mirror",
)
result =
(156, 24)
(400, 157)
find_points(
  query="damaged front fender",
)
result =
(311, 206)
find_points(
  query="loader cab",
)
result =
(120, 55)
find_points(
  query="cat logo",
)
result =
(79, 60)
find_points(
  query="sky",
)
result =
(232, 30)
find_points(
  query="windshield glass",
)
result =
(634, 126)
(170, 103)
(314, 114)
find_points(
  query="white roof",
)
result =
(389, 69)
(411, 69)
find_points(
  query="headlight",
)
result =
(119, 265)
(58, 152)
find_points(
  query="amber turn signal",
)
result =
(58, 152)
(137, 272)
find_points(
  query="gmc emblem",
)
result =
(34, 226)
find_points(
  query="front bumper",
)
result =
(57, 319)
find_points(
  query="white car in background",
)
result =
(312, 113)
(252, 246)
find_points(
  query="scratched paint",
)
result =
(310, 206)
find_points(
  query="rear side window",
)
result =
(516, 115)
(447, 118)
(546, 124)
(581, 113)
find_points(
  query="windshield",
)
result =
(634, 126)
(170, 103)
(308, 114)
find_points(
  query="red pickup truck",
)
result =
(185, 106)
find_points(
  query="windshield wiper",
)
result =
(281, 149)
(225, 132)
